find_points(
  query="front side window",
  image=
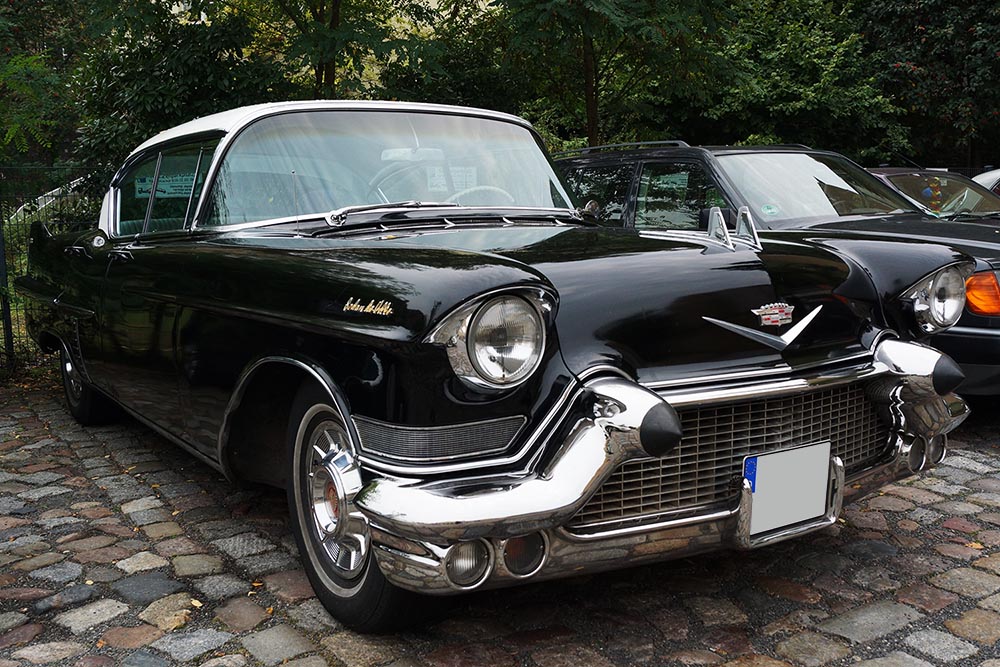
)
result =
(311, 163)
(676, 196)
(798, 186)
(608, 185)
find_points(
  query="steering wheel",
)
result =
(956, 203)
(482, 188)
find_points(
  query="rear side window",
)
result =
(607, 185)
(676, 196)
(166, 186)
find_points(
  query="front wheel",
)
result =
(332, 534)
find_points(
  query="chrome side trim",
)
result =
(315, 371)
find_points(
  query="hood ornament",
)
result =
(779, 343)
(774, 314)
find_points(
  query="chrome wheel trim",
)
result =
(73, 380)
(331, 479)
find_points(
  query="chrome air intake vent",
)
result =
(705, 470)
(434, 444)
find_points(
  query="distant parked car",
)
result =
(792, 190)
(943, 194)
(989, 180)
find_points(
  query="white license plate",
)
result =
(788, 486)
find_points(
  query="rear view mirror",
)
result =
(412, 154)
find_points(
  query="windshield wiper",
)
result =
(338, 216)
(970, 214)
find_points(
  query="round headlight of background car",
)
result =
(939, 299)
(947, 297)
(506, 339)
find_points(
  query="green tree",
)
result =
(796, 73)
(341, 41)
(39, 44)
(941, 60)
(159, 67)
(597, 58)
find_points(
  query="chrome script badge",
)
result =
(774, 314)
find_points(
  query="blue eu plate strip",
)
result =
(750, 472)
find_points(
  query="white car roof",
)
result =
(988, 178)
(234, 119)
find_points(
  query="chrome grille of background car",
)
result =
(707, 467)
(436, 443)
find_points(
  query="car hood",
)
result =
(639, 302)
(981, 238)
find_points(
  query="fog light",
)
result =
(523, 556)
(468, 563)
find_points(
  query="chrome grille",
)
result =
(706, 468)
(437, 443)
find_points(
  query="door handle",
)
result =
(120, 255)
(76, 251)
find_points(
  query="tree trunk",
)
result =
(590, 90)
(325, 72)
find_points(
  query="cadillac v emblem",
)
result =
(774, 314)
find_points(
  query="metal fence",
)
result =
(29, 194)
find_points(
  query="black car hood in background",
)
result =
(981, 238)
(637, 301)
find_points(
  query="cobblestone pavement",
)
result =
(118, 548)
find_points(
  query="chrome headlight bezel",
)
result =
(453, 332)
(938, 299)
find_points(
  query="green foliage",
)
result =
(38, 47)
(342, 40)
(798, 75)
(941, 59)
(158, 69)
(596, 61)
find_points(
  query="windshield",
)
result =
(947, 194)
(795, 186)
(314, 162)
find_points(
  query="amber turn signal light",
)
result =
(982, 293)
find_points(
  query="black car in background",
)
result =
(787, 191)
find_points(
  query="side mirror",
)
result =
(590, 211)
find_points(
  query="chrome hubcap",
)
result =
(73, 380)
(334, 480)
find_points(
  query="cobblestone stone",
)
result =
(940, 645)
(189, 645)
(968, 581)
(277, 644)
(871, 621)
(978, 625)
(92, 614)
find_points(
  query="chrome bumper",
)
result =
(414, 525)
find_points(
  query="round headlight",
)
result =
(947, 297)
(506, 338)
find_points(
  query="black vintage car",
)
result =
(390, 311)
(789, 189)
